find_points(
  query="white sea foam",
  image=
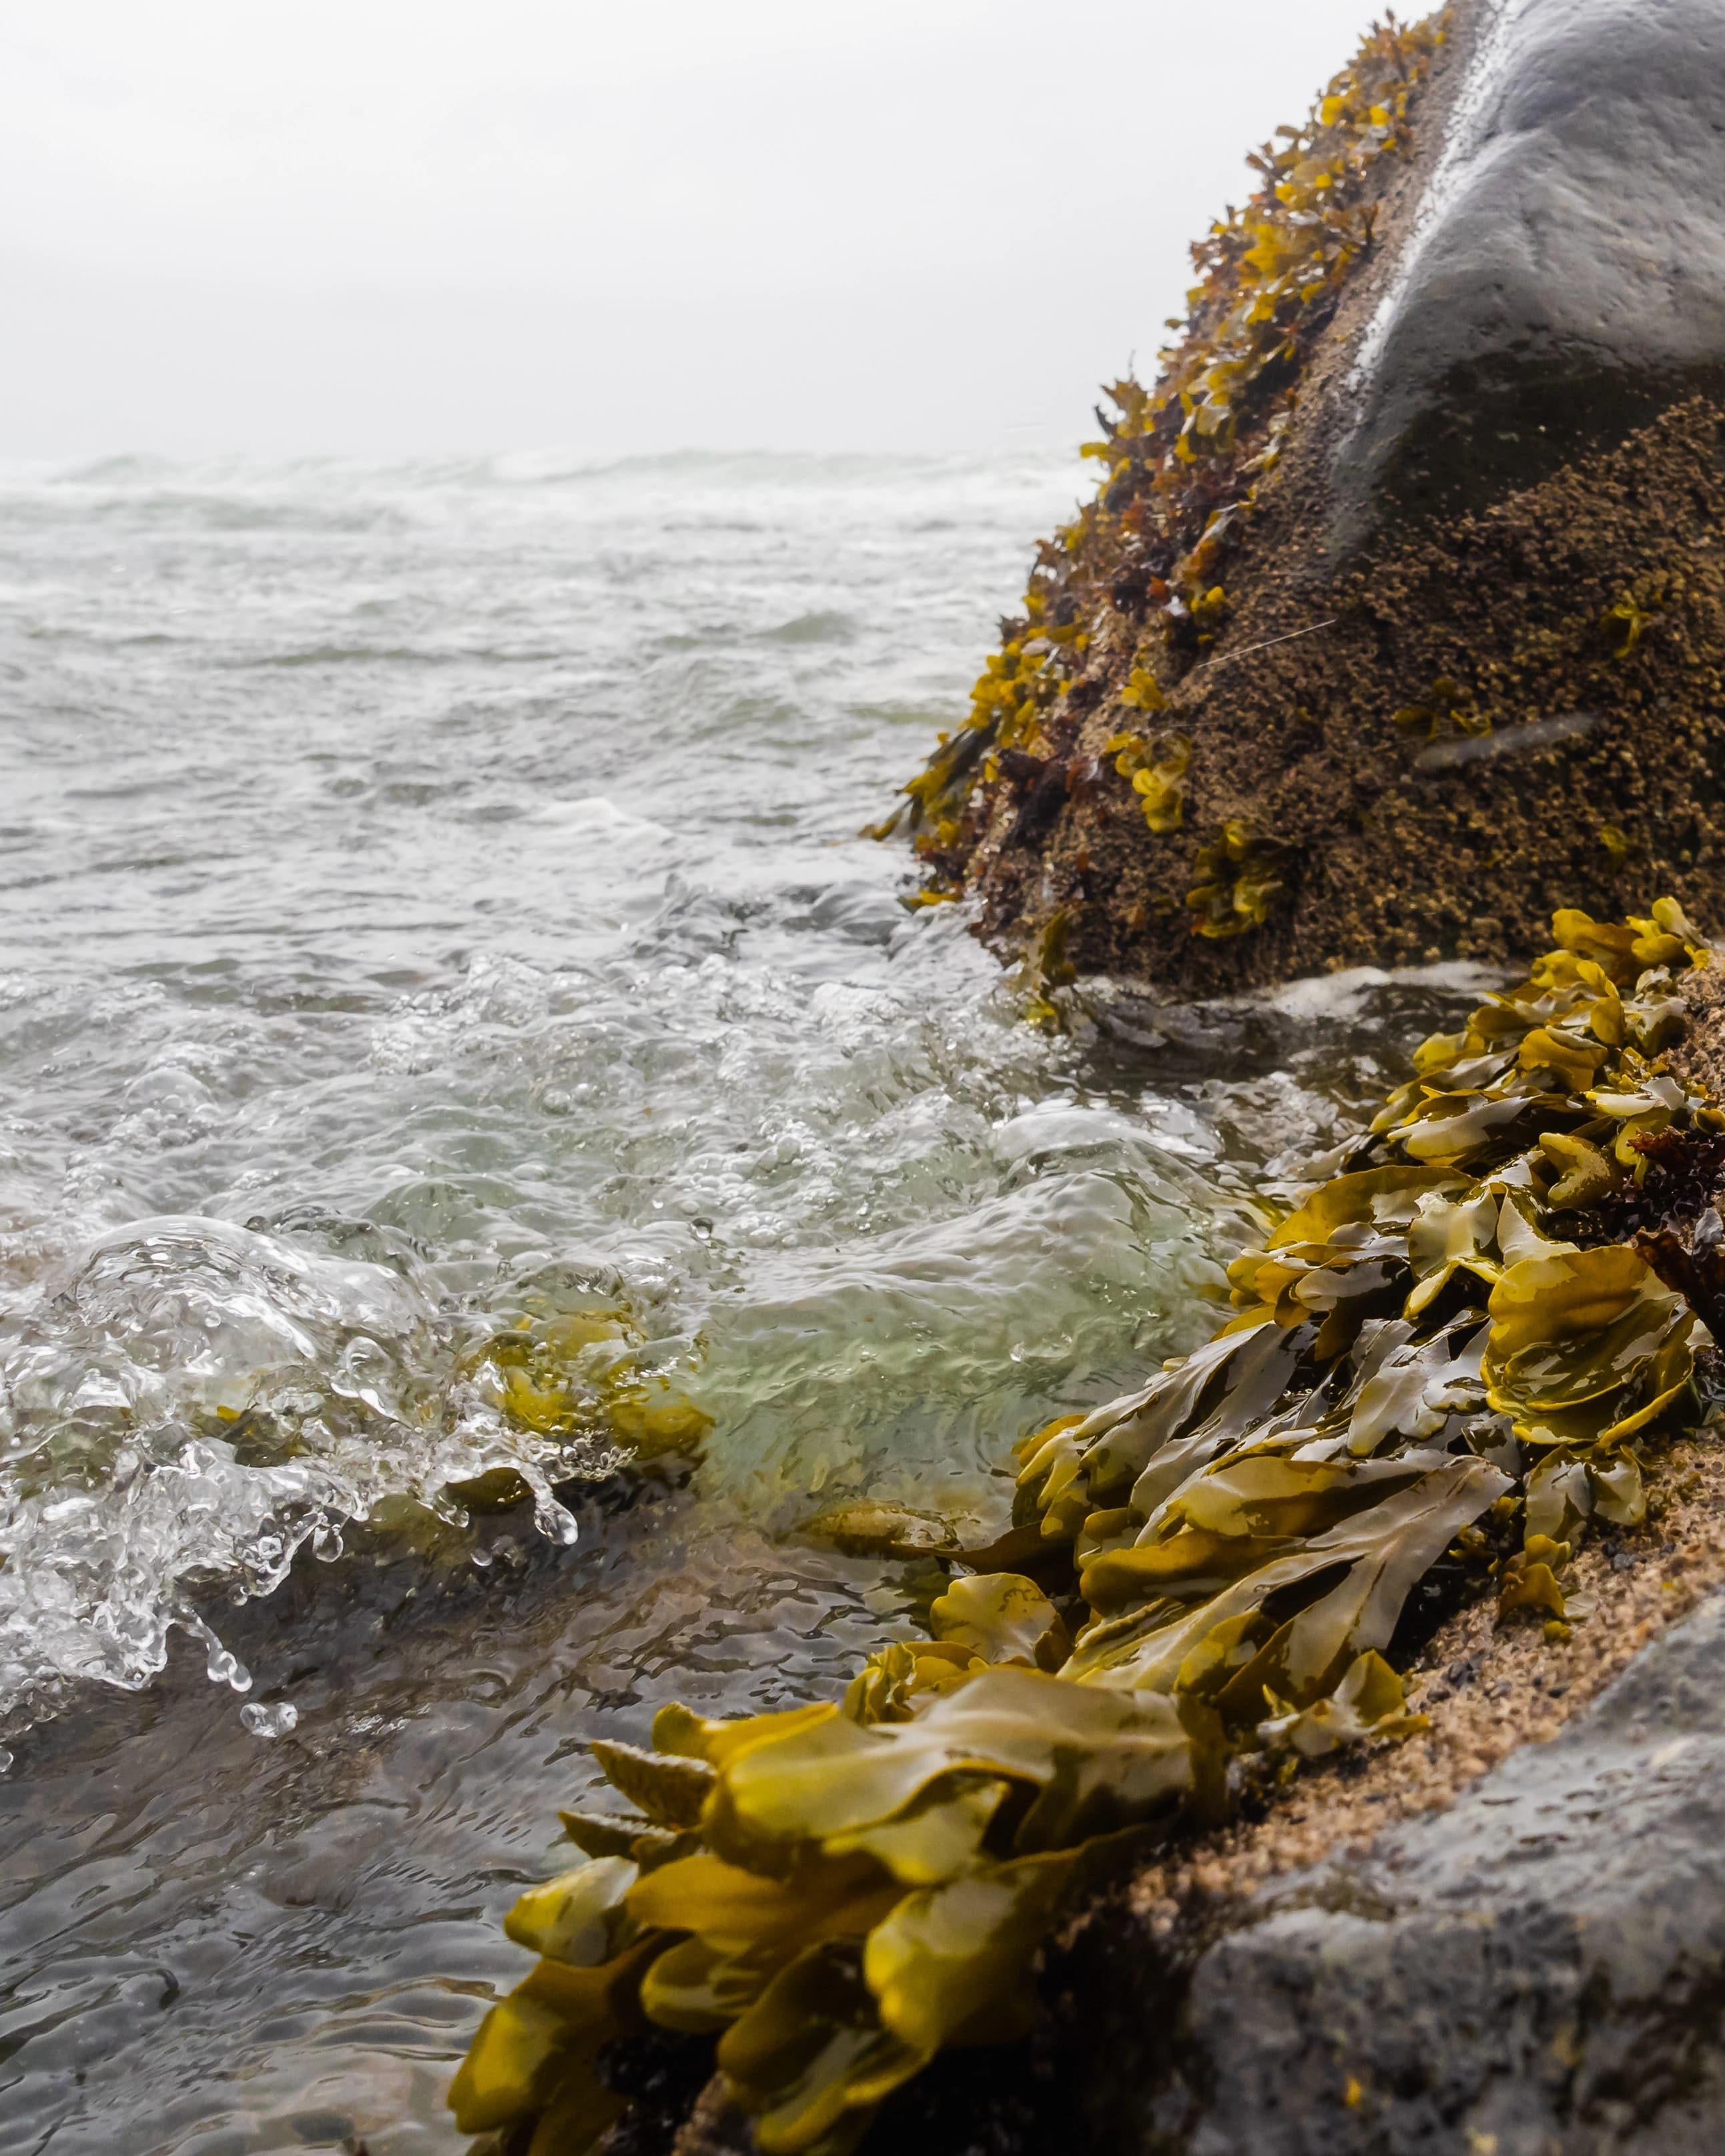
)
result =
(429, 895)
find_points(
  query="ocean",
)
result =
(434, 924)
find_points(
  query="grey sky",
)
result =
(385, 226)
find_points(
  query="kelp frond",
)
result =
(839, 1891)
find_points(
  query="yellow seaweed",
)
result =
(578, 1917)
(1003, 1617)
(950, 1964)
(1180, 463)
(811, 2049)
(1370, 1701)
(840, 1890)
(1162, 785)
(1241, 873)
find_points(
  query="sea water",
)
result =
(428, 896)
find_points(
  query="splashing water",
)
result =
(195, 1399)
(450, 1028)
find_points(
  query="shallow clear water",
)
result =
(431, 904)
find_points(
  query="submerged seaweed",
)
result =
(839, 1891)
(563, 1375)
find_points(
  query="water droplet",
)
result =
(225, 1668)
(275, 1721)
(556, 1523)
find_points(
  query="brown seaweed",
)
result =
(1180, 461)
(839, 1891)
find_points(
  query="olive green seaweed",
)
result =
(1182, 462)
(838, 1891)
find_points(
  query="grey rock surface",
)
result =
(1539, 1971)
(1563, 276)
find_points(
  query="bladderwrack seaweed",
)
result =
(1457, 1351)
(1144, 560)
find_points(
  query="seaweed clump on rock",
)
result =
(1436, 1359)
(1277, 658)
(1183, 463)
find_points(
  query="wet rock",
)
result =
(1189, 1040)
(1562, 277)
(1421, 639)
(1539, 1971)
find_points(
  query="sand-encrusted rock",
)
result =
(1383, 640)
(1540, 1968)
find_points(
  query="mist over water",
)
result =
(431, 905)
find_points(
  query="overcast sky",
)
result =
(401, 226)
